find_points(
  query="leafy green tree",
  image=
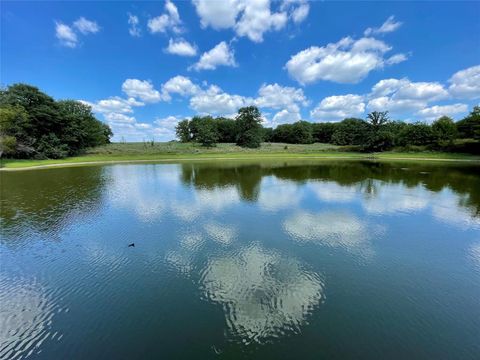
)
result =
(50, 147)
(322, 132)
(395, 128)
(283, 133)
(444, 129)
(183, 131)
(469, 127)
(42, 110)
(43, 127)
(8, 145)
(380, 140)
(207, 132)
(80, 129)
(301, 133)
(249, 127)
(196, 125)
(378, 118)
(268, 134)
(227, 130)
(351, 131)
(107, 133)
(416, 134)
(13, 122)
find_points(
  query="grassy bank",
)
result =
(173, 151)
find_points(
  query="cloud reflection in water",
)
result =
(264, 294)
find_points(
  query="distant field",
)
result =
(194, 148)
(174, 151)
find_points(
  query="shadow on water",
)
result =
(44, 200)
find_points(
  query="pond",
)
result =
(278, 259)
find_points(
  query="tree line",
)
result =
(245, 130)
(34, 125)
(375, 133)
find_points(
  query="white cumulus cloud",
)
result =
(434, 112)
(215, 101)
(165, 127)
(181, 47)
(168, 21)
(141, 89)
(300, 12)
(339, 107)
(285, 116)
(180, 85)
(402, 95)
(221, 55)
(257, 19)
(249, 18)
(66, 35)
(275, 96)
(114, 104)
(346, 61)
(465, 84)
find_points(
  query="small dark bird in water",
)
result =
(131, 245)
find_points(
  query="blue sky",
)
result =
(145, 65)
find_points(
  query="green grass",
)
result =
(173, 151)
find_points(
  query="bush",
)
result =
(8, 145)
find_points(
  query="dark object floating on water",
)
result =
(218, 352)
(131, 245)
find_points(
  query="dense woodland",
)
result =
(34, 125)
(376, 133)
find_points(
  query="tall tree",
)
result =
(444, 129)
(227, 131)
(469, 127)
(207, 132)
(249, 127)
(378, 118)
(302, 133)
(183, 131)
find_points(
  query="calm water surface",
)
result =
(290, 260)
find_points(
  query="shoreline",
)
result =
(228, 157)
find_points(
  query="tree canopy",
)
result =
(249, 127)
(34, 125)
(376, 133)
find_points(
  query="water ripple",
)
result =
(26, 317)
(264, 295)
